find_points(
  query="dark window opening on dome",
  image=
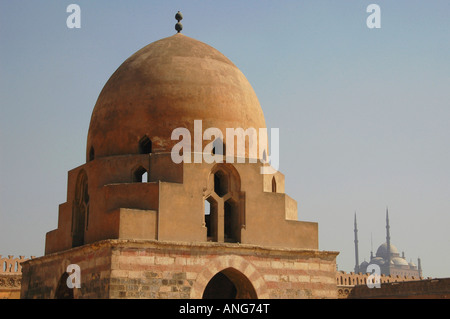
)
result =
(211, 216)
(91, 154)
(145, 145)
(274, 185)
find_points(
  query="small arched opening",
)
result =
(229, 284)
(145, 145)
(274, 185)
(140, 175)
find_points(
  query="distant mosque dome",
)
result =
(382, 251)
(378, 260)
(398, 261)
(389, 261)
(364, 265)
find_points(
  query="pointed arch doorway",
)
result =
(229, 283)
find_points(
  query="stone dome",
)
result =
(382, 251)
(363, 266)
(166, 85)
(399, 261)
(378, 260)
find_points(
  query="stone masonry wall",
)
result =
(153, 269)
(182, 270)
(41, 276)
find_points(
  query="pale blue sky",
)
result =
(363, 113)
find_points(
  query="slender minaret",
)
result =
(371, 247)
(388, 242)
(419, 267)
(356, 248)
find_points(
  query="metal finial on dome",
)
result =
(179, 17)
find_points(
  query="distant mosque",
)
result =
(388, 258)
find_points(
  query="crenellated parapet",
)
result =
(11, 265)
(354, 279)
(11, 276)
(346, 281)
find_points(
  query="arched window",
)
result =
(145, 145)
(274, 185)
(226, 217)
(140, 175)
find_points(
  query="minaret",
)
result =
(419, 267)
(356, 248)
(388, 242)
(371, 247)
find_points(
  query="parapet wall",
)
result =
(11, 265)
(353, 279)
(437, 288)
(354, 286)
(11, 276)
